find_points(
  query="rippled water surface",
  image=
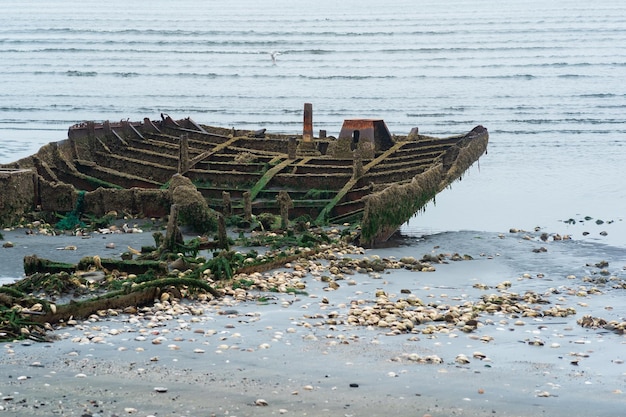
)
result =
(546, 79)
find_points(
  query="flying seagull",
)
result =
(274, 54)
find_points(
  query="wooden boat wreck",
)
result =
(365, 174)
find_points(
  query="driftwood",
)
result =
(83, 309)
(143, 294)
(34, 264)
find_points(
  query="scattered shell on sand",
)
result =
(479, 355)
(382, 311)
(461, 359)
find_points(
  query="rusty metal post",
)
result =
(307, 131)
(307, 147)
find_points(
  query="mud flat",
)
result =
(303, 355)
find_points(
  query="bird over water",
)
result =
(274, 54)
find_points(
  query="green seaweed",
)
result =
(12, 292)
(51, 283)
(243, 283)
(15, 326)
(315, 194)
(96, 222)
(220, 267)
(72, 219)
(190, 248)
(97, 182)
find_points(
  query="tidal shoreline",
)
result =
(288, 353)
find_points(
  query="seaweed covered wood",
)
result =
(193, 209)
(18, 193)
(140, 295)
(390, 208)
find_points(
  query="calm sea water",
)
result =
(546, 78)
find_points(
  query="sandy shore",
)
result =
(296, 354)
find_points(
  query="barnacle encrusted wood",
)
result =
(388, 209)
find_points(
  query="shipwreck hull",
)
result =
(126, 166)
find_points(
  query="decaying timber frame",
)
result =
(365, 175)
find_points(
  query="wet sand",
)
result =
(286, 353)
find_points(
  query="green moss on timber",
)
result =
(33, 264)
(191, 248)
(12, 324)
(220, 266)
(265, 179)
(315, 194)
(393, 206)
(268, 221)
(153, 283)
(304, 239)
(324, 215)
(129, 266)
(243, 283)
(96, 182)
(198, 216)
(237, 221)
(175, 282)
(389, 209)
(202, 183)
(100, 222)
(12, 292)
(149, 275)
(51, 283)
(119, 284)
(394, 215)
